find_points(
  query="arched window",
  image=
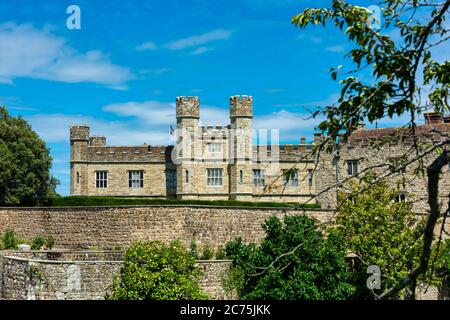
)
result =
(78, 177)
(187, 177)
(241, 176)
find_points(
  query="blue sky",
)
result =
(121, 72)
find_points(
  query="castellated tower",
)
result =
(79, 142)
(240, 166)
(188, 137)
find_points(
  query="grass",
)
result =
(118, 201)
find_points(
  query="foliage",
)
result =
(397, 63)
(117, 247)
(193, 252)
(10, 240)
(37, 243)
(207, 254)
(157, 271)
(380, 231)
(50, 242)
(25, 164)
(439, 270)
(294, 261)
(220, 253)
(116, 201)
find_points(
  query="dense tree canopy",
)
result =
(24, 164)
(381, 231)
(157, 271)
(294, 261)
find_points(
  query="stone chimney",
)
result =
(434, 117)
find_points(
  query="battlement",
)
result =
(241, 106)
(97, 141)
(188, 107)
(79, 132)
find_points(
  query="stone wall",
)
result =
(65, 275)
(106, 227)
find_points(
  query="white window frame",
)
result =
(136, 179)
(259, 178)
(214, 177)
(101, 179)
(352, 167)
(293, 178)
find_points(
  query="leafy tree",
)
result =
(381, 231)
(157, 271)
(406, 78)
(294, 261)
(24, 164)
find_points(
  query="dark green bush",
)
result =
(118, 201)
(37, 243)
(10, 240)
(50, 242)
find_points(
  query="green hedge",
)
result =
(116, 201)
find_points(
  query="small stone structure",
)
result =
(79, 275)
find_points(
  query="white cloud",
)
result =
(152, 112)
(219, 34)
(54, 128)
(29, 52)
(336, 48)
(147, 46)
(200, 51)
(156, 113)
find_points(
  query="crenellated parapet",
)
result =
(188, 107)
(241, 106)
(79, 133)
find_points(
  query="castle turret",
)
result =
(188, 115)
(79, 142)
(241, 147)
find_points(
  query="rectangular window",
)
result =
(259, 178)
(101, 179)
(214, 177)
(136, 179)
(352, 167)
(290, 178)
(310, 178)
(214, 147)
(171, 179)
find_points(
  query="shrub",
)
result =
(50, 242)
(207, 253)
(116, 201)
(193, 249)
(117, 247)
(220, 253)
(157, 271)
(10, 241)
(37, 243)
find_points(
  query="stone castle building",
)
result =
(215, 162)
(208, 162)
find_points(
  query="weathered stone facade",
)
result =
(80, 275)
(106, 227)
(184, 171)
(383, 151)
